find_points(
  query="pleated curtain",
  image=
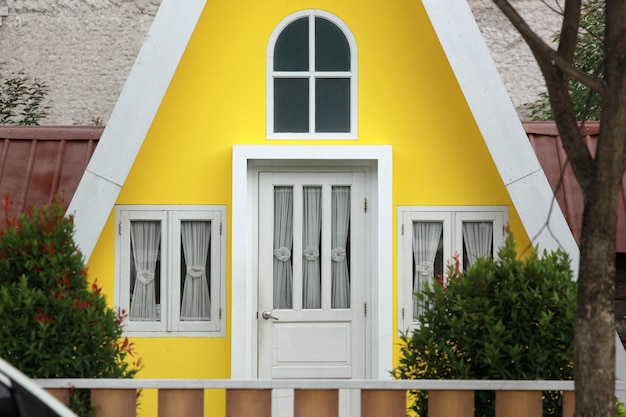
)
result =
(283, 242)
(478, 240)
(426, 236)
(145, 239)
(340, 206)
(311, 225)
(196, 300)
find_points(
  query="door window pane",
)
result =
(311, 236)
(340, 250)
(283, 245)
(332, 105)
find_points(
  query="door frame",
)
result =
(248, 160)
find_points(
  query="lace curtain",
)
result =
(145, 237)
(283, 240)
(196, 301)
(340, 227)
(426, 237)
(478, 240)
(312, 224)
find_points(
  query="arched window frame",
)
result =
(311, 14)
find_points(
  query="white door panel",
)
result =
(321, 342)
(329, 340)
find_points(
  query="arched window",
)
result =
(311, 78)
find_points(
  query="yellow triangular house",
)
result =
(277, 177)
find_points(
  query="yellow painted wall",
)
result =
(407, 98)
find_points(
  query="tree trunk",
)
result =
(600, 179)
(594, 339)
(594, 334)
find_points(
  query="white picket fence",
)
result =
(319, 398)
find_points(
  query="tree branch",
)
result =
(569, 30)
(544, 54)
(553, 67)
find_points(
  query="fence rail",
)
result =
(319, 398)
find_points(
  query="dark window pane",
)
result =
(291, 105)
(332, 51)
(332, 107)
(291, 52)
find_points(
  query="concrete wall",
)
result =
(84, 49)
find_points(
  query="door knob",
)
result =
(268, 315)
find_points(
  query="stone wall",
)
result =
(84, 49)
(515, 62)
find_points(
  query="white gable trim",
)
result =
(131, 118)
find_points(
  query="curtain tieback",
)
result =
(338, 254)
(145, 276)
(282, 254)
(311, 253)
(196, 271)
(425, 269)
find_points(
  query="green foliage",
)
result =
(588, 58)
(22, 100)
(508, 318)
(55, 324)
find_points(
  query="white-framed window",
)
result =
(311, 78)
(429, 240)
(170, 269)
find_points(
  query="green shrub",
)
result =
(22, 100)
(506, 318)
(55, 324)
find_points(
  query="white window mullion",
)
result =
(326, 241)
(172, 283)
(448, 230)
(216, 267)
(296, 253)
(122, 284)
(312, 127)
(406, 272)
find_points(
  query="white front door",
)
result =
(312, 275)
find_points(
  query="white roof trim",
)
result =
(131, 118)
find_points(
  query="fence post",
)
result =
(249, 402)
(114, 402)
(181, 402)
(388, 403)
(453, 403)
(519, 404)
(61, 394)
(569, 403)
(316, 403)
